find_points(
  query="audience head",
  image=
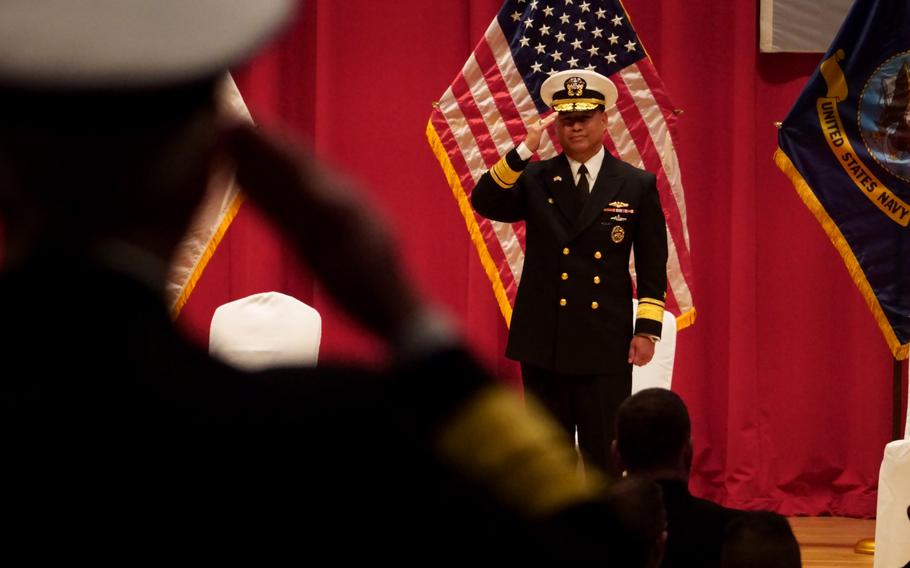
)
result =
(760, 539)
(640, 535)
(653, 434)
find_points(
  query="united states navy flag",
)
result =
(846, 147)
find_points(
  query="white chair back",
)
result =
(658, 372)
(892, 525)
(266, 330)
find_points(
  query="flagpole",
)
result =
(896, 433)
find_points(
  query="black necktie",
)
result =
(582, 187)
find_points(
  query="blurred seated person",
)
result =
(760, 539)
(640, 535)
(653, 440)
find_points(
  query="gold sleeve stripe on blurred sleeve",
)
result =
(514, 449)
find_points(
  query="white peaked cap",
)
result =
(89, 44)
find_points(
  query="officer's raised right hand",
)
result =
(535, 131)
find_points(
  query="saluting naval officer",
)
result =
(585, 212)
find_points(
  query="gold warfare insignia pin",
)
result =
(618, 204)
(618, 234)
(557, 178)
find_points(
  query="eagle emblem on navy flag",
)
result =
(884, 117)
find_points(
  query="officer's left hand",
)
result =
(641, 350)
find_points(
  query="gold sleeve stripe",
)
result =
(515, 450)
(652, 301)
(503, 175)
(650, 311)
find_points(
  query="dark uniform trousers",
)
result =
(587, 402)
(572, 321)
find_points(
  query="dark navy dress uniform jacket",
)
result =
(573, 311)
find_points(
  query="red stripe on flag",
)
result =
(482, 137)
(509, 283)
(653, 81)
(490, 154)
(500, 91)
(453, 150)
(519, 229)
(635, 124)
(485, 226)
(638, 130)
(641, 136)
(610, 145)
(656, 86)
(671, 209)
(670, 303)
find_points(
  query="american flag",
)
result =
(213, 217)
(483, 114)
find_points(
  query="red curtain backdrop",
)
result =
(786, 375)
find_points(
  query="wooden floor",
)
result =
(829, 541)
